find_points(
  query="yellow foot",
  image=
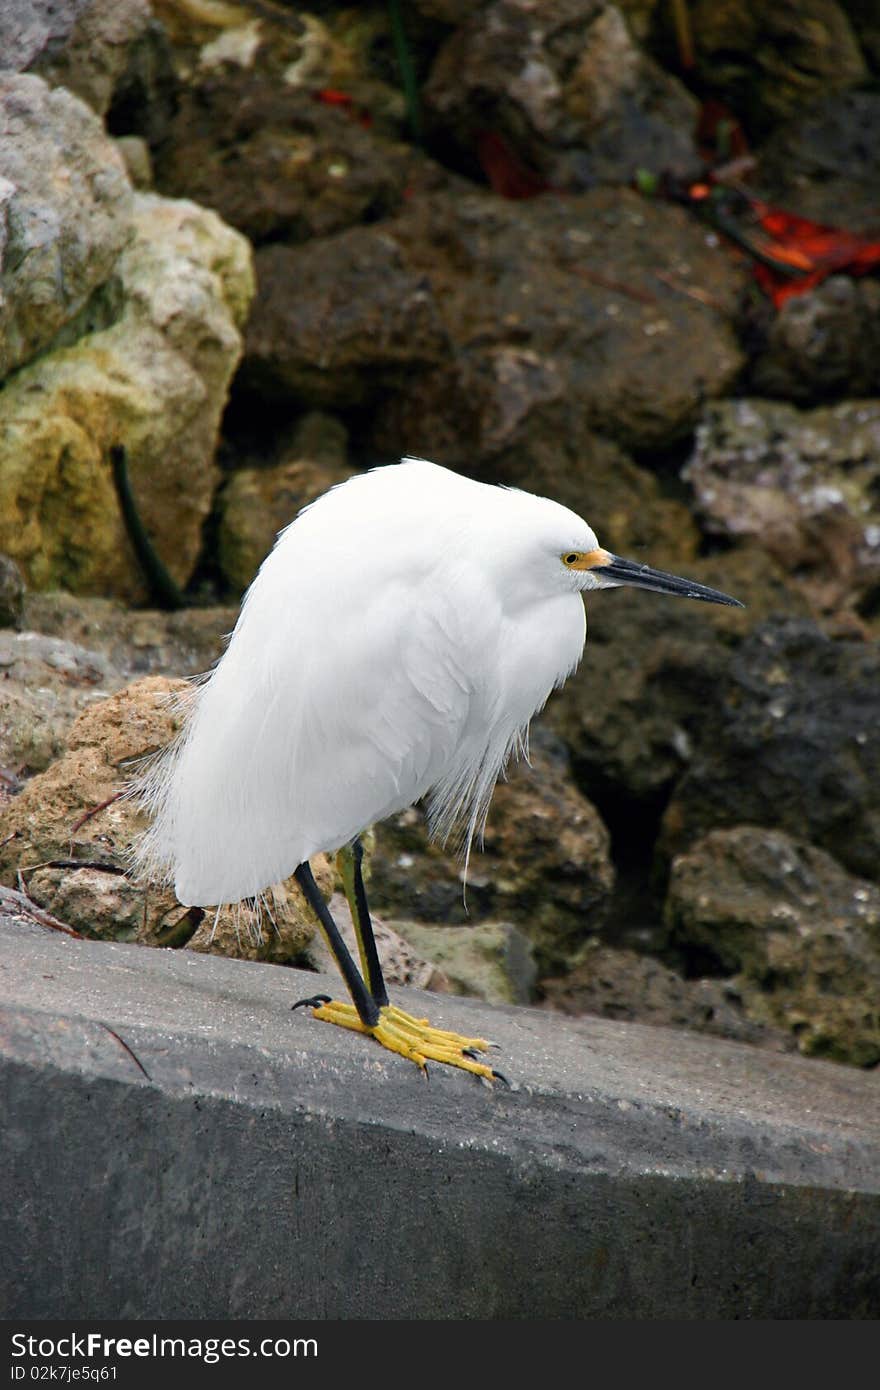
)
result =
(411, 1037)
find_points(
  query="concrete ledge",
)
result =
(270, 1166)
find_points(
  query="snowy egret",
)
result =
(394, 645)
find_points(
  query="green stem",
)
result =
(407, 70)
(162, 587)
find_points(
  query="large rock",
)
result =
(802, 485)
(274, 162)
(152, 376)
(769, 62)
(791, 740)
(28, 27)
(822, 344)
(567, 87)
(566, 316)
(614, 982)
(65, 213)
(338, 318)
(799, 936)
(71, 814)
(825, 163)
(69, 832)
(464, 350)
(83, 45)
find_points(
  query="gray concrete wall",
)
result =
(270, 1166)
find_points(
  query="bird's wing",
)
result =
(322, 717)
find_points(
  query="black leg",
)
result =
(392, 1028)
(368, 1009)
(351, 860)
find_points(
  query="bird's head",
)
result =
(565, 554)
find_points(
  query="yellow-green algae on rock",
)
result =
(154, 381)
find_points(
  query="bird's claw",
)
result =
(313, 1002)
(413, 1038)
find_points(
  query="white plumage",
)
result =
(395, 644)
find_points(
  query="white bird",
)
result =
(394, 646)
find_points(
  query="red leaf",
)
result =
(812, 247)
(507, 174)
(332, 96)
(779, 288)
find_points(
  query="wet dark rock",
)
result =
(769, 62)
(825, 164)
(449, 11)
(804, 485)
(798, 935)
(274, 162)
(562, 314)
(636, 988)
(822, 344)
(645, 694)
(337, 319)
(567, 87)
(865, 20)
(632, 713)
(11, 592)
(544, 864)
(791, 740)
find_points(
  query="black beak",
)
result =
(620, 571)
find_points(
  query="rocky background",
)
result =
(259, 246)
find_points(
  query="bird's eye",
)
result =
(571, 557)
